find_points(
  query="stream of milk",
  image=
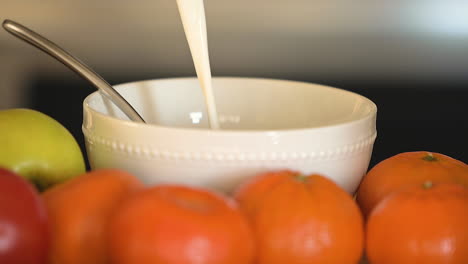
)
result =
(192, 13)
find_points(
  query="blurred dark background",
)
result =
(409, 57)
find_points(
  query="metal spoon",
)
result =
(74, 64)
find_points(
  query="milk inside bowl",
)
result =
(218, 132)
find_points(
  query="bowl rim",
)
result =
(128, 123)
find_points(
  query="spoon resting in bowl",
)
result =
(74, 64)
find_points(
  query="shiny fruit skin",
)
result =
(420, 225)
(24, 236)
(174, 224)
(408, 169)
(301, 219)
(38, 148)
(80, 211)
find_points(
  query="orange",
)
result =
(79, 212)
(423, 224)
(180, 225)
(302, 219)
(407, 169)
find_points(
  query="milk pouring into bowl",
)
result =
(281, 124)
(192, 13)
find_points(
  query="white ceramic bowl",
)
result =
(266, 125)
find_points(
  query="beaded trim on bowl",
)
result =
(161, 154)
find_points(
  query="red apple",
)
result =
(23, 222)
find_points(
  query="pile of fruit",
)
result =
(410, 208)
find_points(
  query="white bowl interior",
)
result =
(243, 103)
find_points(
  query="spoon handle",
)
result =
(74, 64)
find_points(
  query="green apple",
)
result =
(38, 148)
